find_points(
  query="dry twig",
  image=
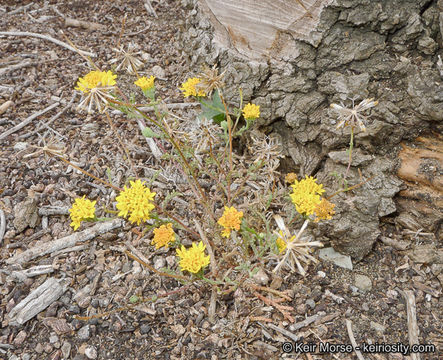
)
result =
(67, 241)
(275, 303)
(27, 121)
(46, 37)
(2, 225)
(412, 320)
(352, 338)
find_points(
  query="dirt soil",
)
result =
(36, 73)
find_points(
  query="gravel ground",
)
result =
(99, 278)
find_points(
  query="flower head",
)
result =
(251, 111)
(82, 209)
(144, 83)
(306, 195)
(163, 235)
(189, 88)
(324, 210)
(353, 116)
(210, 79)
(291, 178)
(135, 201)
(95, 79)
(96, 87)
(230, 220)
(193, 259)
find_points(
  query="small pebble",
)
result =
(310, 303)
(91, 352)
(144, 329)
(159, 263)
(363, 282)
(84, 333)
(39, 348)
(20, 338)
(53, 338)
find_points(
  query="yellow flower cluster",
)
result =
(82, 209)
(135, 201)
(95, 79)
(306, 195)
(193, 259)
(324, 210)
(163, 235)
(230, 220)
(144, 83)
(251, 111)
(189, 88)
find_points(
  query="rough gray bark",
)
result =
(385, 49)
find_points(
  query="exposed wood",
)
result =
(421, 169)
(257, 28)
(37, 301)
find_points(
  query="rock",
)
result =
(363, 282)
(378, 327)
(261, 278)
(426, 254)
(20, 338)
(159, 262)
(144, 329)
(20, 146)
(66, 349)
(26, 214)
(39, 348)
(53, 338)
(310, 303)
(158, 72)
(84, 333)
(91, 352)
(329, 254)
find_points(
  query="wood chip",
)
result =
(38, 300)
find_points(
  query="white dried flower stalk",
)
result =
(353, 116)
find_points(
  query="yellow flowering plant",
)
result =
(147, 86)
(210, 179)
(163, 236)
(230, 220)
(193, 259)
(136, 202)
(82, 210)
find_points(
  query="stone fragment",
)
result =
(25, 214)
(329, 254)
(363, 282)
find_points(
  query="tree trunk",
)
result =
(296, 57)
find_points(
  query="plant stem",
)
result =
(351, 146)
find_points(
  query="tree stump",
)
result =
(296, 57)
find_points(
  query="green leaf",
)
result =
(134, 299)
(213, 109)
(147, 132)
